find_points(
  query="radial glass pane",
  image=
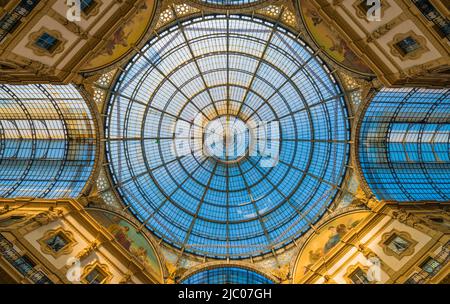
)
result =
(227, 136)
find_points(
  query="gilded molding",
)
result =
(94, 11)
(362, 14)
(103, 268)
(88, 250)
(404, 235)
(351, 269)
(67, 249)
(416, 54)
(384, 29)
(41, 52)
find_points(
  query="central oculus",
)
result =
(227, 139)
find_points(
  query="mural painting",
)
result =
(134, 242)
(327, 237)
(330, 40)
(131, 32)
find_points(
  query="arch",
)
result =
(128, 233)
(226, 274)
(316, 245)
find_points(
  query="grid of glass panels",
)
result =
(227, 275)
(405, 144)
(47, 146)
(243, 67)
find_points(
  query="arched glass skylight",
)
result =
(227, 275)
(174, 146)
(404, 144)
(47, 141)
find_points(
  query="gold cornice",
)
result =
(359, 118)
(104, 238)
(229, 9)
(352, 241)
(308, 237)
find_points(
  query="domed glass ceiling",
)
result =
(227, 136)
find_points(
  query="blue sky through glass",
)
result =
(405, 144)
(227, 275)
(245, 68)
(48, 141)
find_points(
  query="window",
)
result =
(397, 244)
(11, 220)
(96, 276)
(359, 277)
(411, 281)
(24, 265)
(431, 266)
(441, 23)
(407, 45)
(364, 6)
(12, 20)
(57, 242)
(47, 42)
(87, 6)
(438, 220)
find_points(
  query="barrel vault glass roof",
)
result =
(245, 68)
(47, 141)
(227, 275)
(404, 148)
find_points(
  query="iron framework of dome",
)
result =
(247, 70)
(47, 141)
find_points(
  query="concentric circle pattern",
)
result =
(254, 73)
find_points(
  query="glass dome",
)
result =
(278, 117)
(227, 275)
